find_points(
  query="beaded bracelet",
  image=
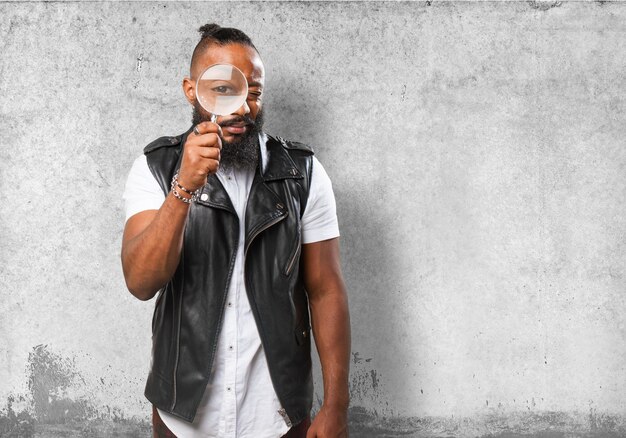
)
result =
(175, 184)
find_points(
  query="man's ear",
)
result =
(189, 88)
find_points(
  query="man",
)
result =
(237, 232)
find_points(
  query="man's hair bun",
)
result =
(209, 30)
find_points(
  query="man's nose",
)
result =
(243, 109)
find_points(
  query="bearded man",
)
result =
(236, 231)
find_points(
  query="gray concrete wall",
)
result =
(478, 158)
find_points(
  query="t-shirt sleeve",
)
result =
(142, 191)
(319, 221)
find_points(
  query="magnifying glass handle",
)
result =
(214, 120)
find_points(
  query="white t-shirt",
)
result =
(239, 401)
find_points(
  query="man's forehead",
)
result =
(244, 57)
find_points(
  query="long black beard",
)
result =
(240, 155)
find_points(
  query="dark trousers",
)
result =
(160, 430)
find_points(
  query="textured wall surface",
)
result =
(478, 156)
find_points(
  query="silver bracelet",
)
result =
(182, 198)
(175, 185)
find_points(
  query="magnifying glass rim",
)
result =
(207, 69)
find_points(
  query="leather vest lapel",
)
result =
(264, 209)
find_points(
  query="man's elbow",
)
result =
(140, 292)
(138, 287)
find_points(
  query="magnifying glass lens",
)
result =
(221, 89)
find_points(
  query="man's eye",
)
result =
(223, 89)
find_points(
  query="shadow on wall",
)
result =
(298, 112)
(58, 404)
(369, 262)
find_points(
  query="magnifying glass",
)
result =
(221, 89)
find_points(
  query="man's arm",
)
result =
(153, 239)
(330, 321)
(151, 247)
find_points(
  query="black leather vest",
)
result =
(189, 309)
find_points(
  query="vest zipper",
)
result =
(259, 231)
(283, 413)
(295, 254)
(180, 310)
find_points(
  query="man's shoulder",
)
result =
(291, 145)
